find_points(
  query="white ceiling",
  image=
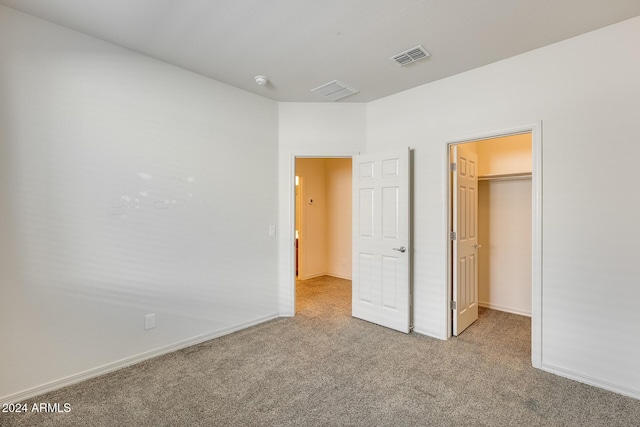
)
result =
(302, 44)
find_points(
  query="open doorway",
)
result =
(322, 232)
(491, 211)
(380, 240)
(503, 257)
(504, 224)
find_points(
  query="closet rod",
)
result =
(505, 176)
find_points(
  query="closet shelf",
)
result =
(505, 176)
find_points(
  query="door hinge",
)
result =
(453, 235)
(453, 305)
(452, 167)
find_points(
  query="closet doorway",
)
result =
(491, 227)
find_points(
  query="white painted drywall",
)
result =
(589, 107)
(309, 129)
(129, 187)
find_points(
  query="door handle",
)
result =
(400, 249)
(477, 246)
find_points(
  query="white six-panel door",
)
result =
(465, 246)
(381, 252)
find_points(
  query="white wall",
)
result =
(588, 105)
(94, 139)
(309, 129)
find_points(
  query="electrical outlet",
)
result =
(150, 321)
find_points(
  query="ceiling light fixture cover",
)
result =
(409, 56)
(335, 90)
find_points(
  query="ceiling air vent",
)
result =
(411, 55)
(335, 90)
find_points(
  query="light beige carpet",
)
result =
(324, 368)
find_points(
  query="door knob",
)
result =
(400, 249)
(477, 246)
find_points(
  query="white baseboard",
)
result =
(313, 276)
(586, 379)
(502, 308)
(128, 361)
(337, 276)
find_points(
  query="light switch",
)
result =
(272, 230)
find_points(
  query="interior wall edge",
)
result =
(592, 381)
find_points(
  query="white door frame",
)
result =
(291, 246)
(536, 228)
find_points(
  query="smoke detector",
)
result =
(411, 55)
(335, 90)
(261, 80)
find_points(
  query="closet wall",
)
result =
(504, 224)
